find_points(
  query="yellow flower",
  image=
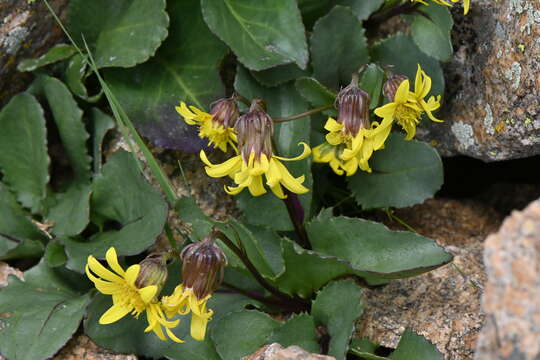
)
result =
(466, 3)
(256, 158)
(249, 174)
(216, 127)
(183, 301)
(407, 107)
(347, 153)
(126, 296)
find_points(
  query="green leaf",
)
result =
(71, 213)
(269, 241)
(23, 150)
(56, 53)
(298, 330)
(125, 33)
(307, 271)
(282, 101)
(372, 82)
(316, 94)
(400, 51)
(14, 222)
(26, 249)
(186, 68)
(373, 248)
(249, 326)
(278, 75)
(364, 349)
(430, 30)
(337, 307)
(55, 254)
(405, 173)
(122, 196)
(75, 75)
(279, 220)
(68, 119)
(102, 123)
(338, 47)
(262, 35)
(41, 309)
(413, 346)
(362, 9)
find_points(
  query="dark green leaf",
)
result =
(242, 333)
(71, 213)
(14, 222)
(269, 241)
(338, 47)
(191, 213)
(68, 119)
(313, 9)
(26, 249)
(372, 82)
(413, 346)
(262, 35)
(431, 29)
(102, 123)
(281, 101)
(23, 150)
(373, 248)
(122, 196)
(279, 220)
(278, 75)
(298, 330)
(405, 173)
(363, 8)
(337, 307)
(39, 315)
(316, 94)
(400, 50)
(75, 76)
(56, 53)
(120, 33)
(186, 68)
(55, 254)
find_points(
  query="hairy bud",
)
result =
(153, 271)
(225, 112)
(353, 108)
(203, 265)
(392, 84)
(254, 131)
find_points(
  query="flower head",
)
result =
(217, 126)
(202, 271)
(127, 296)
(407, 107)
(256, 158)
(349, 142)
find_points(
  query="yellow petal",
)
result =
(305, 153)
(104, 287)
(273, 175)
(332, 125)
(401, 93)
(184, 111)
(466, 6)
(101, 271)
(292, 184)
(350, 166)
(278, 191)
(334, 138)
(148, 293)
(256, 187)
(386, 111)
(198, 327)
(115, 313)
(112, 260)
(173, 336)
(229, 167)
(132, 273)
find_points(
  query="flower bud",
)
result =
(203, 265)
(392, 84)
(353, 108)
(254, 132)
(153, 271)
(224, 112)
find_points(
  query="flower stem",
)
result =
(296, 214)
(304, 114)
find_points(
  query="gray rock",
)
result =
(492, 109)
(512, 296)
(276, 352)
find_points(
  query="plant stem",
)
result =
(304, 114)
(296, 214)
(378, 18)
(391, 216)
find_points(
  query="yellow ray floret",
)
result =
(466, 3)
(218, 136)
(126, 297)
(249, 174)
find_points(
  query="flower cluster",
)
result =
(466, 3)
(136, 290)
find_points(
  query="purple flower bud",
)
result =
(392, 84)
(225, 112)
(254, 132)
(353, 108)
